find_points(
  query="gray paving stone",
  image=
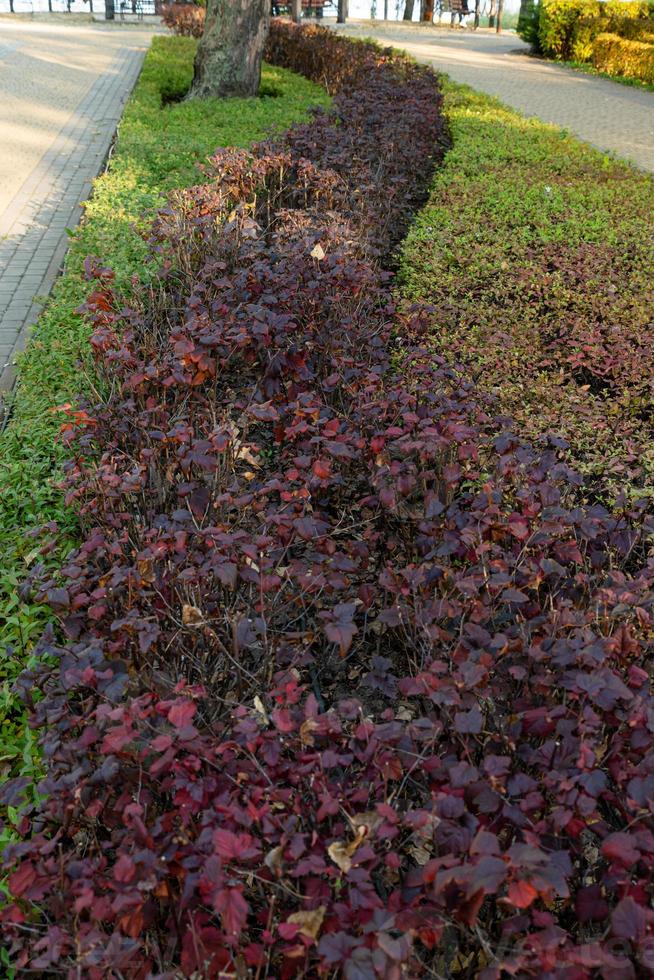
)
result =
(17, 311)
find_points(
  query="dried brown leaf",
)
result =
(310, 923)
(192, 616)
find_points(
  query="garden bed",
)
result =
(346, 683)
(537, 253)
(158, 149)
(589, 69)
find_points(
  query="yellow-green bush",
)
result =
(620, 56)
(568, 28)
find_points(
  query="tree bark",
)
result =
(427, 11)
(477, 12)
(342, 11)
(228, 59)
(500, 11)
(296, 10)
(491, 13)
(385, 9)
(408, 10)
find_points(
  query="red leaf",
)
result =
(469, 722)
(288, 930)
(589, 904)
(230, 846)
(514, 595)
(283, 720)
(233, 910)
(182, 713)
(22, 879)
(124, 869)
(341, 634)
(628, 920)
(322, 469)
(132, 925)
(521, 894)
(620, 848)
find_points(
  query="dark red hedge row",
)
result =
(186, 19)
(348, 685)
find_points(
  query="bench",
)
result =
(310, 8)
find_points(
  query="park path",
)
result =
(613, 117)
(62, 92)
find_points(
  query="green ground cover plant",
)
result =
(589, 69)
(536, 254)
(160, 145)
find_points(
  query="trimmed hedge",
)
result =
(347, 687)
(619, 56)
(158, 149)
(265, 343)
(566, 29)
(185, 19)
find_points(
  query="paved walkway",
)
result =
(611, 116)
(62, 91)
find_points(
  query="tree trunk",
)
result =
(428, 11)
(491, 13)
(500, 11)
(477, 6)
(342, 11)
(385, 9)
(408, 10)
(296, 10)
(228, 59)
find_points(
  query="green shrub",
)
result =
(619, 56)
(159, 148)
(536, 253)
(527, 26)
(559, 26)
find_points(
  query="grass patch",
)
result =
(158, 149)
(537, 254)
(587, 69)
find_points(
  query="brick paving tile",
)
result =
(67, 85)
